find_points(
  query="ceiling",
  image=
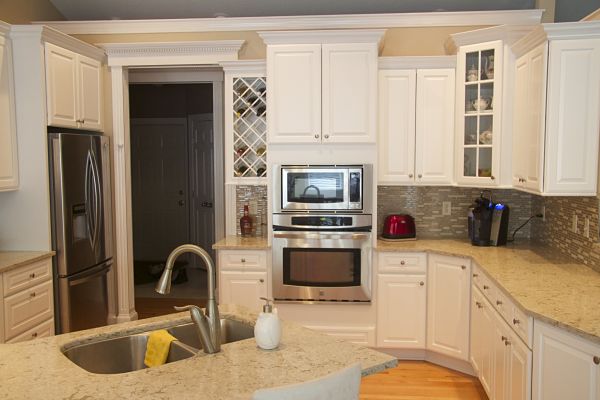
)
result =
(78, 10)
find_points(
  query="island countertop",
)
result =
(38, 370)
(545, 284)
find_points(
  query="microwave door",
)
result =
(315, 189)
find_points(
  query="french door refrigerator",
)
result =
(81, 223)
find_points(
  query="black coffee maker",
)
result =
(488, 222)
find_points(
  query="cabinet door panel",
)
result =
(90, 96)
(519, 379)
(349, 92)
(9, 179)
(448, 299)
(401, 311)
(572, 116)
(521, 121)
(61, 86)
(396, 138)
(435, 126)
(294, 100)
(27, 309)
(243, 288)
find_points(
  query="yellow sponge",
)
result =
(157, 348)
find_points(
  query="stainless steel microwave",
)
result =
(323, 188)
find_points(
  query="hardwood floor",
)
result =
(416, 380)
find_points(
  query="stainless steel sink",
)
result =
(126, 353)
(231, 331)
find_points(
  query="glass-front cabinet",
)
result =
(479, 89)
(245, 122)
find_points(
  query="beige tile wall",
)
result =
(244, 195)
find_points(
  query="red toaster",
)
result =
(399, 226)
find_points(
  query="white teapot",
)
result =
(480, 104)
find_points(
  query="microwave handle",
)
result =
(322, 235)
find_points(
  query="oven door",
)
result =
(314, 189)
(322, 266)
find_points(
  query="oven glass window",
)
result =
(321, 267)
(315, 187)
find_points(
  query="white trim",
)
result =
(592, 16)
(560, 31)
(50, 35)
(246, 66)
(4, 27)
(509, 34)
(218, 167)
(409, 62)
(350, 21)
(122, 207)
(178, 75)
(178, 53)
(322, 36)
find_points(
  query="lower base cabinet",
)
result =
(565, 366)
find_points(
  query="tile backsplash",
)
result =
(245, 194)
(424, 203)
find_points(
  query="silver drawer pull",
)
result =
(32, 275)
(507, 342)
(516, 321)
(261, 280)
(503, 338)
(34, 335)
(596, 360)
(243, 260)
(498, 302)
(485, 287)
(478, 304)
(475, 275)
(32, 294)
(463, 267)
(421, 283)
(402, 262)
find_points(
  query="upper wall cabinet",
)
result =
(322, 86)
(416, 121)
(557, 110)
(9, 177)
(73, 89)
(484, 82)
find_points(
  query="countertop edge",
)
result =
(26, 259)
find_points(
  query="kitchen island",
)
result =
(38, 369)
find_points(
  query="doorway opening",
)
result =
(172, 188)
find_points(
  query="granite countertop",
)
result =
(38, 369)
(233, 242)
(545, 284)
(14, 259)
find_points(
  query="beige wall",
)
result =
(398, 41)
(25, 11)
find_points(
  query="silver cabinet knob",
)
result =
(316, 136)
(478, 304)
(326, 136)
(503, 338)
(475, 275)
(261, 280)
(463, 267)
(596, 360)
(402, 262)
(243, 260)
(421, 283)
(492, 177)
(419, 176)
(32, 294)
(410, 175)
(485, 287)
(507, 342)
(34, 335)
(498, 302)
(32, 275)
(516, 321)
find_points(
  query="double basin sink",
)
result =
(126, 353)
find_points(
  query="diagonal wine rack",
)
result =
(249, 127)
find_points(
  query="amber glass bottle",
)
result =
(246, 222)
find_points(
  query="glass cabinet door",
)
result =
(477, 133)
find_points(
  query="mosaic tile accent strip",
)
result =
(244, 194)
(557, 231)
(424, 203)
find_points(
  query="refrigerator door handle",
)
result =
(89, 275)
(89, 198)
(97, 189)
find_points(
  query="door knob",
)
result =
(181, 203)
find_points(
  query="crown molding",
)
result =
(595, 15)
(509, 34)
(349, 21)
(4, 27)
(323, 36)
(245, 66)
(49, 35)
(559, 31)
(410, 62)
(172, 53)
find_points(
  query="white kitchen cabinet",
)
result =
(448, 300)
(478, 103)
(401, 311)
(322, 86)
(565, 366)
(482, 334)
(416, 126)
(245, 116)
(27, 302)
(242, 278)
(73, 89)
(557, 110)
(9, 166)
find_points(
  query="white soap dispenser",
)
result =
(267, 331)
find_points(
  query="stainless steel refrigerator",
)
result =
(81, 224)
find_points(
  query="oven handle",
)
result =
(322, 235)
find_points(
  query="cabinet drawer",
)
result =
(26, 309)
(364, 336)
(523, 325)
(409, 263)
(27, 276)
(243, 260)
(44, 329)
(502, 304)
